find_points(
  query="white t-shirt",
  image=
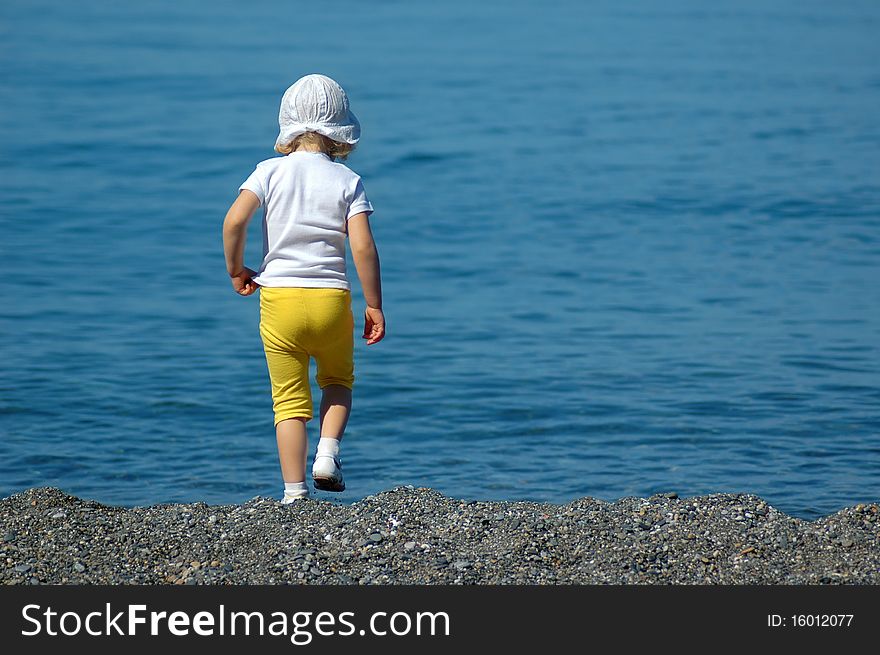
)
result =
(307, 199)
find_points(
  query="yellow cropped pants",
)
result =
(296, 324)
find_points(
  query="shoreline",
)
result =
(418, 536)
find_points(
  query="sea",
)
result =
(627, 248)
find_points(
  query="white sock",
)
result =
(328, 446)
(295, 488)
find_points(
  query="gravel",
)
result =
(418, 536)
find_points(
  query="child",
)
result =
(310, 204)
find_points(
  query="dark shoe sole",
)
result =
(328, 484)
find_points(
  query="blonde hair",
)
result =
(331, 148)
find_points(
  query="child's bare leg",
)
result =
(292, 444)
(335, 409)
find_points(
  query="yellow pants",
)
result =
(297, 323)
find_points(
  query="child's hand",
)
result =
(374, 325)
(243, 282)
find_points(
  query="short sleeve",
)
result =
(359, 202)
(256, 184)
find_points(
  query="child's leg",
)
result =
(282, 323)
(335, 410)
(292, 445)
(333, 320)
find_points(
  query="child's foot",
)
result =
(290, 497)
(327, 473)
(294, 491)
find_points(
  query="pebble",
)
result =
(705, 539)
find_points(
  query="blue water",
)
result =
(626, 247)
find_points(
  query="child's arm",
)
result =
(366, 260)
(234, 236)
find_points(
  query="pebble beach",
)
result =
(418, 536)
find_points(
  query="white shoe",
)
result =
(293, 496)
(327, 473)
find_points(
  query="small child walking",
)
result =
(311, 202)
